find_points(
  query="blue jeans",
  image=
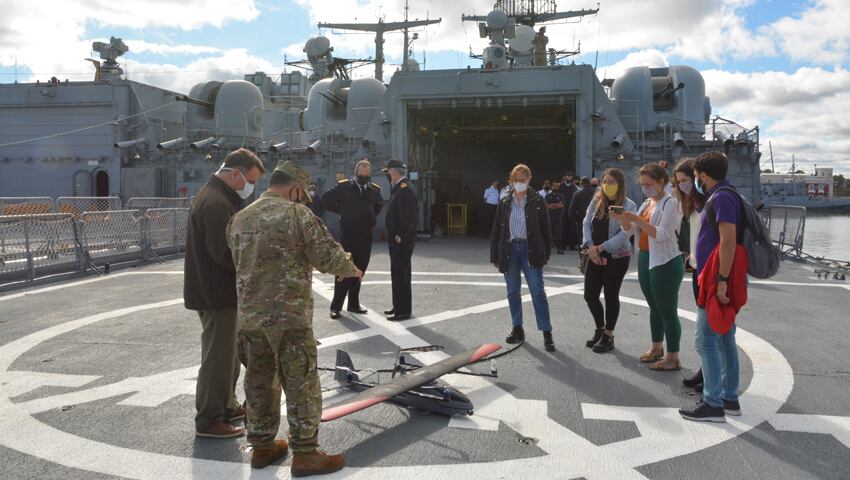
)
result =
(719, 358)
(517, 262)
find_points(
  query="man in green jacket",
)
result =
(276, 244)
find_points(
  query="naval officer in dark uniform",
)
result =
(358, 202)
(402, 217)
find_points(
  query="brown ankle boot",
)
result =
(316, 463)
(264, 456)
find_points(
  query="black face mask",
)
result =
(362, 180)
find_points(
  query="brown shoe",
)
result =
(265, 456)
(316, 463)
(221, 430)
(236, 414)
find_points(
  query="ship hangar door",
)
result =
(459, 151)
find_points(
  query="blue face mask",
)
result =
(698, 186)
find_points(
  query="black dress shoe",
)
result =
(693, 381)
(334, 314)
(389, 312)
(360, 310)
(548, 343)
(517, 336)
(399, 317)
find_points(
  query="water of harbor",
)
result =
(828, 236)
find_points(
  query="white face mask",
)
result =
(247, 190)
(520, 187)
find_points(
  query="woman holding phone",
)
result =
(609, 251)
(660, 264)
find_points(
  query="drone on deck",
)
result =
(414, 386)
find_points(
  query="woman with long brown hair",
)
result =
(692, 202)
(660, 264)
(609, 250)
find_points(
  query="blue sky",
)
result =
(773, 50)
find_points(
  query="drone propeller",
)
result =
(426, 348)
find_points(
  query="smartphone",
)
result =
(616, 209)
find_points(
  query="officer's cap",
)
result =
(394, 163)
(298, 174)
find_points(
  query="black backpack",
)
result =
(764, 257)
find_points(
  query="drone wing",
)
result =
(404, 383)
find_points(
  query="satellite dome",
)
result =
(497, 20)
(317, 46)
(412, 65)
(522, 42)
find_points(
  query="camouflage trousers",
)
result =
(278, 358)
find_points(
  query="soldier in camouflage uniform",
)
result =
(276, 243)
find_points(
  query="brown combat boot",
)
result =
(316, 463)
(264, 456)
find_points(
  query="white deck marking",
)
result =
(663, 434)
(838, 427)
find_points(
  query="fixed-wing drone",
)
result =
(412, 385)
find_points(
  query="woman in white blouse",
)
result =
(660, 264)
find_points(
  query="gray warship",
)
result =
(457, 129)
(97, 371)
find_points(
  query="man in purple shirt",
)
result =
(718, 353)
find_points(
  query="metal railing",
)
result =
(147, 203)
(43, 244)
(787, 225)
(77, 205)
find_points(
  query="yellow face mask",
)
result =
(609, 190)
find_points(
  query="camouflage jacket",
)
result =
(276, 244)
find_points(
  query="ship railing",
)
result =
(787, 225)
(37, 245)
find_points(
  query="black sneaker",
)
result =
(732, 408)
(597, 335)
(704, 412)
(604, 345)
(698, 387)
(693, 381)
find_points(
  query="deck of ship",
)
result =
(97, 381)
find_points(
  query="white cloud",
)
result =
(141, 46)
(646, 58)
(820, 34)
(801, 113)
(231, 64)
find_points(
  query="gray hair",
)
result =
(361, 163)
(400, 171)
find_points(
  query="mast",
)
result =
(772, 168)
(380, 28)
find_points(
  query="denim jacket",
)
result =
(618, 243)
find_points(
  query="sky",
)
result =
(780, 65)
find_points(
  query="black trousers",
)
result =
(608, 278)
(400, 269)
(359, 245)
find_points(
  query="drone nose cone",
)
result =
(483, 351)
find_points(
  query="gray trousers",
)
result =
(216, 386)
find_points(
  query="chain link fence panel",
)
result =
(166, 229)
(40, 244)
(148, 203)
(25, 205)
(77, 205)
(113, 235)
(787, 226)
